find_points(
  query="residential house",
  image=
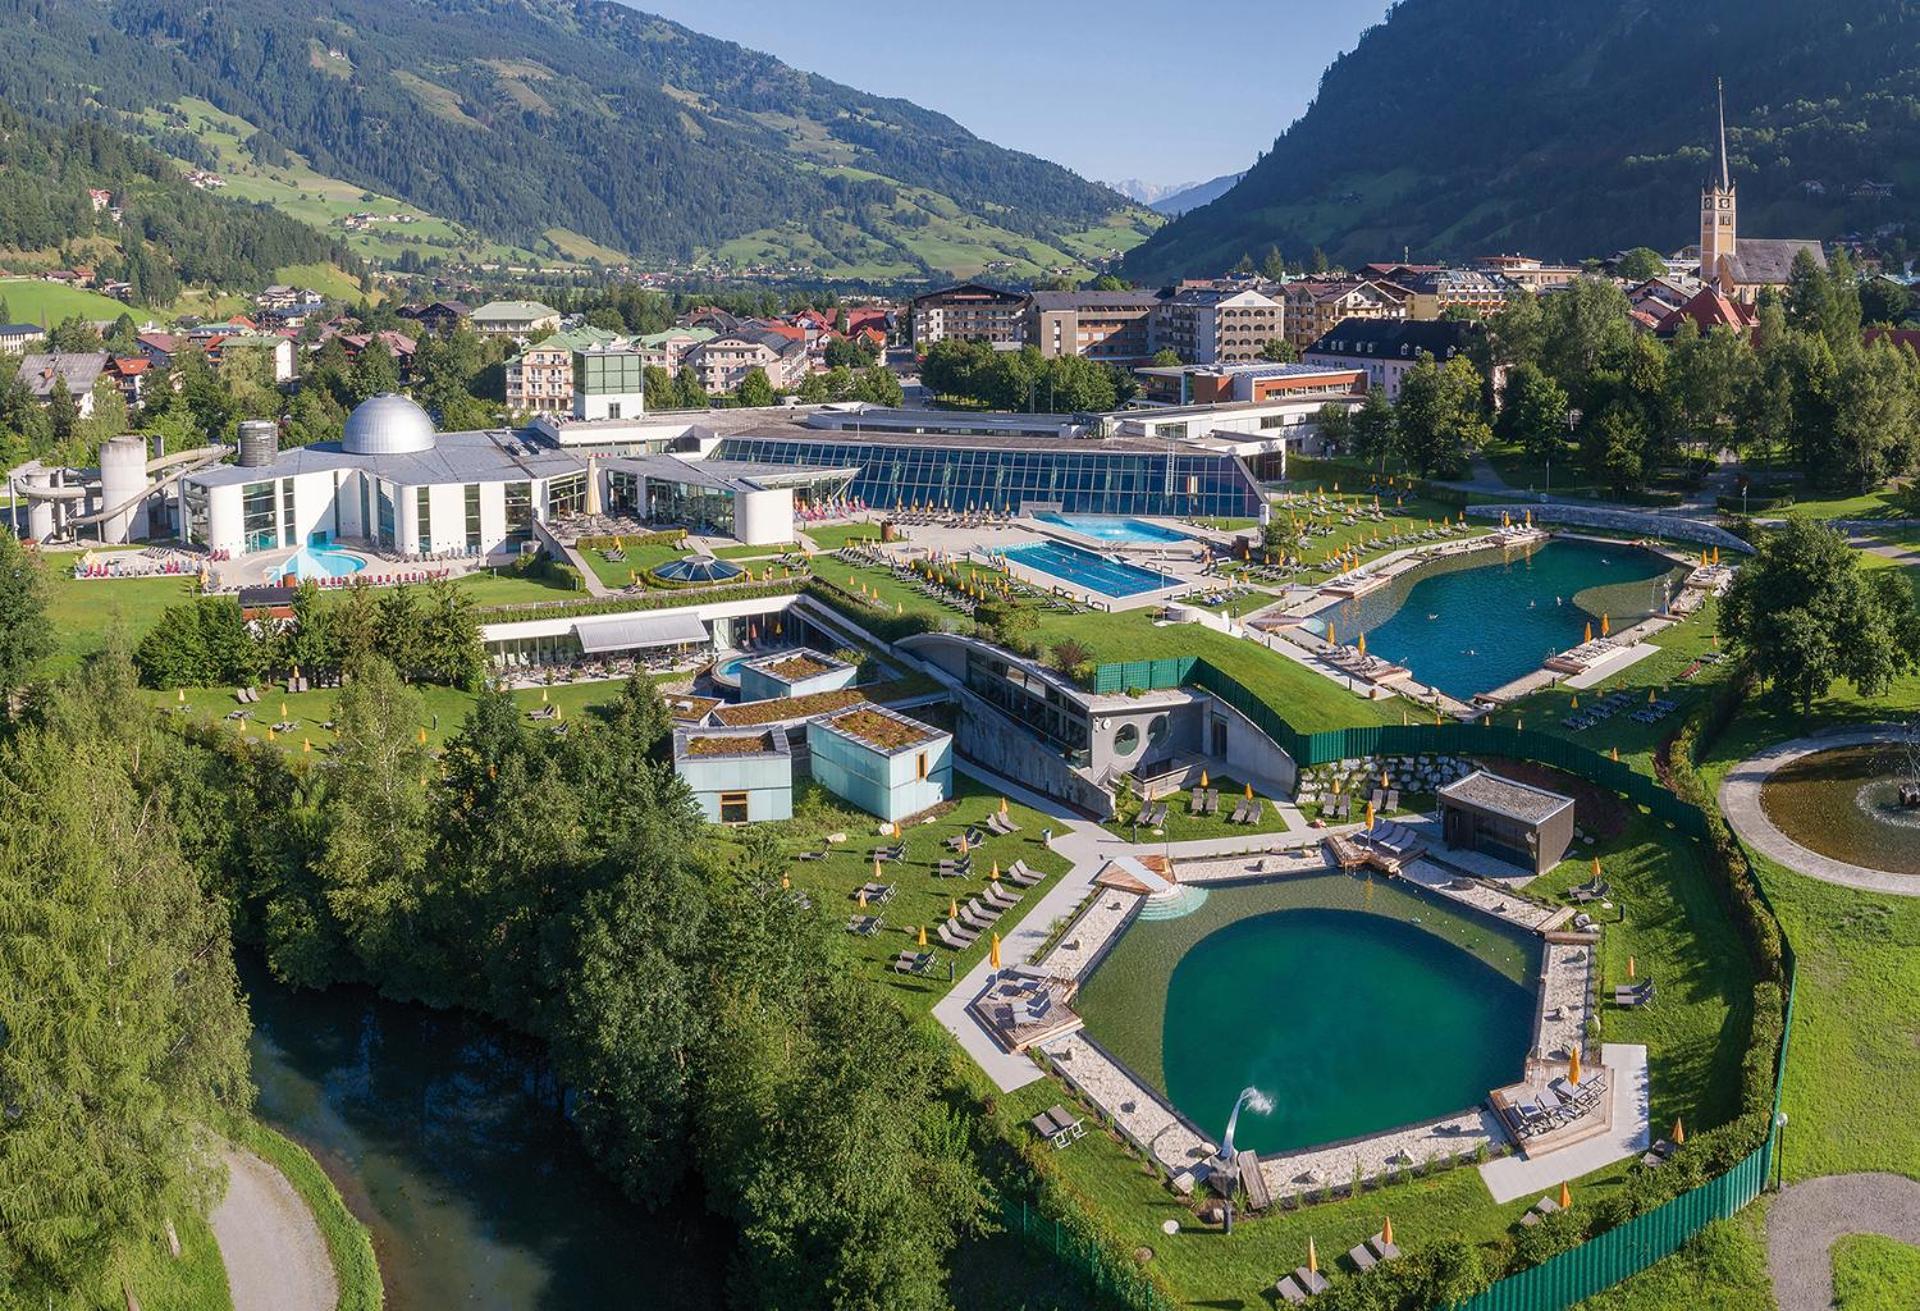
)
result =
(1249, 382)
(1707, 309)
(668, 349)
(1528, 272)
(160, 347)
(1214, 325)
(515, 318)
(19, 338)
(724, 361)
(970, 311)
(1315, 306)
(1111, 326)
(1442, 290)
(44, 372)
(540, 378)
(130, 374)
(398, 344)
(278, 350)
(1385, 349)
(442, 316)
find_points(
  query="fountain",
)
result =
(1859, 803)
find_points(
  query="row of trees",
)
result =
(427, 632)
(1023, 379)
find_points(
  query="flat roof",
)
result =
(1500, 795)
(890, 439)
(729, 743)
(877, 728)
(486, 455)
(795, 665)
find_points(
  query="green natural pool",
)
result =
(1357, 1005)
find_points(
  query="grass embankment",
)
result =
(921, 897)
(195, 1282)
(1872, 1273)
(348, 1243)
(1724, 1268)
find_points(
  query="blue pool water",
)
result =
(1081, 568)
(1115, 528)
(1474, 623)
(321, 562)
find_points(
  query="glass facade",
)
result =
(473, 517)
(1082, 477)
(383, 494)
(704, 509)
(423, 516)
(623, 491)
(608, 373)
(1034, 702)
(195, 498)
(519, 511)
(287, 520)
(566, 496)
(258, 520)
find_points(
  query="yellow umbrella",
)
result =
(1566, 1196)
(953, 909)
(271, 734)
(1679, 1133)
(993, 952)
(863, 898)
(306, 745)
(995, 876)
(1383, 778)
(1203, 778)
(1632, 970)
(963, 844)
(1606, 626)
(1249, 792)
(1573, 1066)
(283, 711)
(923, 935)
(1589, 630)
(1003, 805)
(543, 696)
(1616, 755)
(785, 882)
(181, 696)
(1336, 785)
(1360, 644)
(1576, 700)
(1386, 1232)
(1596, 867)
(1313, 1257)
(876, 869)
(1649, 696)
(1369, 816)
(423, 735)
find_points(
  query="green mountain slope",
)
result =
(1567, 128)
(514, 118)
(168, 236)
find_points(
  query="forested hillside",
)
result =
(168, 234)
(518, 116)
(1568, 128)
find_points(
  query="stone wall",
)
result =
(1639, 523)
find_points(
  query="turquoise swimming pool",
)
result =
(318, 562)
(1083, 569)
(1115, 528)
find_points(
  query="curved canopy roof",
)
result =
(698, 569)
(387, 424)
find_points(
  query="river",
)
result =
(440, 1130)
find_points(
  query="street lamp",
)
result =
(1779, 1146)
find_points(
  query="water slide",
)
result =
(179, 462)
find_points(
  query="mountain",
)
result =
(1566, 128)
(545, 124)
(1147, 193)
(1193, 195)
(151, 228)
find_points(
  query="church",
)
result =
(1738, 267)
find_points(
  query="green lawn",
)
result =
(1185, 826)
(1886, 503)
(195, 1282)
(30, 300)
(1871, 1273)
(755, 552)
(921, 898)
(831, 537)
(639, 560)
(1724, 1268)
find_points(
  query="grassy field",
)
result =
(1724, 1268)
(1183, 825)
(1899, 502)
(1871, 1273)
(29, 300)
(831, 537)
(619, 573)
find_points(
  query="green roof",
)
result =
(514, 309)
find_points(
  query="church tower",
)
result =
(1717, 213)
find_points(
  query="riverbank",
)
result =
(351, 1269)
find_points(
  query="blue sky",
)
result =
(1174, 91)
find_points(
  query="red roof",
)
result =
(786, 330)
(129, 365)
(1708, 309)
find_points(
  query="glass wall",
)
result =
(1082, 477)
(287, 519)
(258, 520)
(473, 518)
(623, 491)
(566, 496)
(383, 494)
(704, 509)
(194, 497)
(519, 511)
(423, 516)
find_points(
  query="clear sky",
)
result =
(1163, 90)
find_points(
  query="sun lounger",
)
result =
(864, 925)
(1312, 1282)
(1633, 994)
(1001, 824)
(1289, 1292)
(1382, 1249)
(878, 894)
(956, 937)
(1362, 1257)
(1213, 801)
(1019, 873)
(954, 869)
(1059, 1130)
(812, 855)
(977, 920)
(1393, 799)
(1157, 816)
(912, 962)
(1071, 1123)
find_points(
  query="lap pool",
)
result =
(1359, 1007)
(1083, 569)
(1474, 622)
(1115, 528)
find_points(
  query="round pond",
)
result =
(1358, 1007)
(1845, 803)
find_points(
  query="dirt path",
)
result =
(275, 1255)
(1807, 1218)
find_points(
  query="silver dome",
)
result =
(387, 424)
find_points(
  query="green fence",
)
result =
(1123, 1284)
(1610, 1257)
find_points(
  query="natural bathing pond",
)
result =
(1845, 803)
(1470, 623)
(443, 1133)
(1358, 1005)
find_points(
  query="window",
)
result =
(921, 765)
(733, 807)
(286, 512)
(1127, 740)
(257, 517)
(473, 518)
(423, 515)
(1157, 730)
(566, 496)
(519, 497)
(383, 490)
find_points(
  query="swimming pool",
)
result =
(1082, 568)
(1358, 1006)
(317, 562)
(1475, 622)
(1115, 528)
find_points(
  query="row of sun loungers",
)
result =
(1591, 891)
(1386, 800)
(1634, 994)
(1655, 712)
(912, 962)
(972, 838)
(1056, 1124)
(1001, 824)
(1605, 708)
(1204, 801)
(1561, 1103)
(1153, 814)
(1371, 1253)
(1019, 873)
(1300, 1285)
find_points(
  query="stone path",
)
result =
(275, 1255)
(1807, 1218)
(1740, 803)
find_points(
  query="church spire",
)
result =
(1720, 92)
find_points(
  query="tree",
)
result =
(1883, 301)
(1533, 413)
(754, 390)
(74, 336)
(450, 650)
(688, 391)
(1280, 351)
(877, 385)
(63, 412)
(1640, 264)
(1334, 422)
(1109, 282)
(1273, 266)
(125, 1032)
(1437, 422)
(1708, 376)
(1585, 328)
(1517, 331)
(1166, 358)
(374, 371)
(1613, 447)
(25, 635)
(1801, 615)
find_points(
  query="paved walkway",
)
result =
(275, 1255)
(1740, 803)
(1630, 1134)
(1807, 1218)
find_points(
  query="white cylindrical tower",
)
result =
(39, 511)
(123, 477)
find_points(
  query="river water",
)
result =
(441, 1130)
